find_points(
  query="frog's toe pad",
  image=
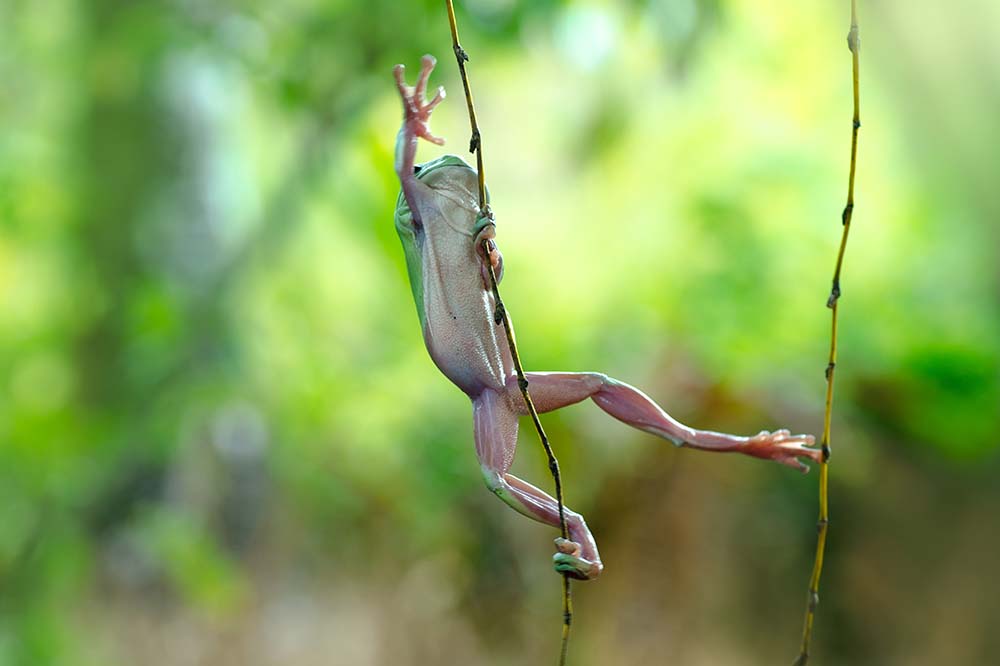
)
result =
(568, 561)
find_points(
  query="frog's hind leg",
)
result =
(495, 419)
(552, 390)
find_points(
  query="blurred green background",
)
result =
(222, 441)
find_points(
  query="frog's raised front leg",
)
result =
(495, 421)
(416, 123)
(552, 390)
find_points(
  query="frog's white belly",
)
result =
(461, 336)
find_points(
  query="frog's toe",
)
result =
(569, 562)
(576, 567)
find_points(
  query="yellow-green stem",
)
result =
(854, 43)
(476, 146)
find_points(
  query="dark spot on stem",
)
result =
(834, 295)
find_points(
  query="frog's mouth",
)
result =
(424, 170)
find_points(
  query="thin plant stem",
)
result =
(500, 317)
(475, 144)
(854, 44)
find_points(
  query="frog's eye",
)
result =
(416, 169)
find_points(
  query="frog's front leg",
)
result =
(495, 417)
(416, 124)
(552, 390)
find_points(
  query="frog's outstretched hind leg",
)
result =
(495, 422)
(552, 390)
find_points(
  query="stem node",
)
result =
(845, 217)
(834, 296)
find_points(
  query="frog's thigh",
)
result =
(553, 390)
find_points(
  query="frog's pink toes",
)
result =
(416, 108)
(438, 96)
(399, 73)
(569, 562)
(783, 447)
(425, 133)
(427, 64)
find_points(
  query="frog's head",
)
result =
(449, 176)
(446, 172)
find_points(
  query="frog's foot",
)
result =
(568, 561)
(487, 250)
(783, 447)
(415, 105)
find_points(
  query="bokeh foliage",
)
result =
(221, 440)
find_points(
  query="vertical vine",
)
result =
(500, 317)
(854, 44)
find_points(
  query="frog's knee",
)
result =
(497, 484)
(599, 380)
(494, 481)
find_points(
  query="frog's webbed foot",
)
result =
(415, 105)
(783, 447)
(568, 560)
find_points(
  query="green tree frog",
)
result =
(439, 223)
